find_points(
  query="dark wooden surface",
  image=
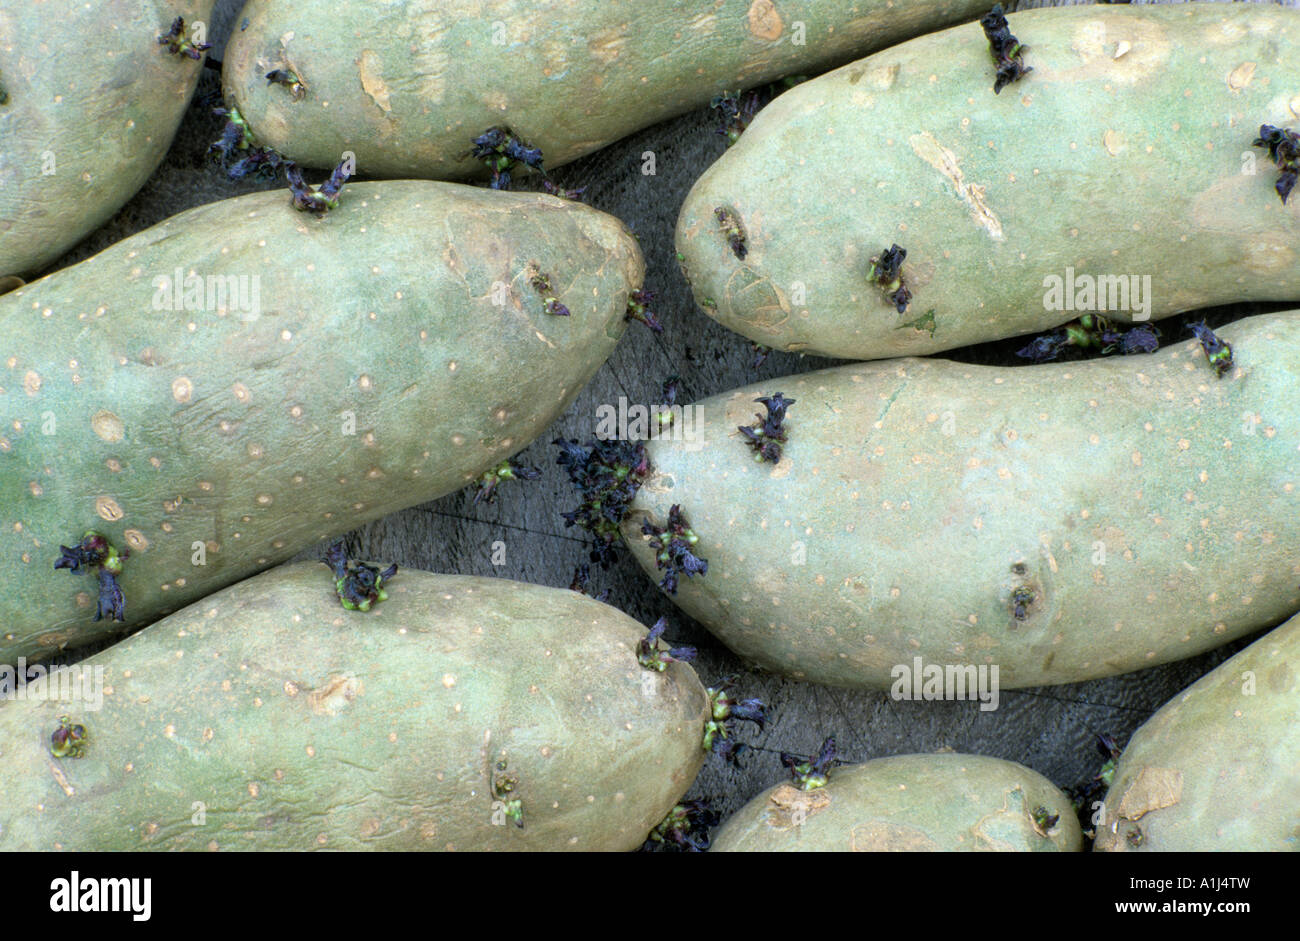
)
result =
(1050, 729)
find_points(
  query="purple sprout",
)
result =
(1046, 348)
(501, 151)
(562, 193)
(736, 110)
(541, 283)
(1021, 599)
(1143, 338)
(725, 711)
(638, 309)
(69, 739)
(96, 552)
(732, 229)
(178, 44)
(290, 80)
(1284, 150)
(1005, 49)
(1217, 351)
(1092, 332)
(1044, 819)
(486, 489)
(768, 434)
(608, 475)
(673, 546)
(358, 586)
(234, 135)
(581, 577)
(112, 603)
(886, 270)
(653, 656)
(671, 386)
(90, 552)
(237, 150)
(316, 199)
(810, 773)
(1084, 795)
(684, 830)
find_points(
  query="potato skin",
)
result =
(378, 373)
(1149, 507)
(89, 86)
(409, 85)
(1217, 768)
(1111, 163)
(909, 803)
(300, 725)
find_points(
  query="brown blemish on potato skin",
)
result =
(335, 696)
(880, 836)
(770, 312)
(1096, 41)
(1153, 789)
(925, 146)
(56, 638)
(108, 509)
(1241, 76)
(372, 80)
(107, 426)
(607, 45)
(787, 803)
(764, 20)
(999, 813)
(1266, 255)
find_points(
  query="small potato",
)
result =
(1218, 767)
(910, 803)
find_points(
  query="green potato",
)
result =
(1055, 523)
(910, 803)
(1118, 177)
(89, 103)
(1218, 767)
(266, 717)
(219, 392)
(406, 86)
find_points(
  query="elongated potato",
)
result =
(303, 375)
(1058, 522)
(1118, 176)
(89, 103)
(910, 803)
(267, 717)
(1218, 767)
(407, 86)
